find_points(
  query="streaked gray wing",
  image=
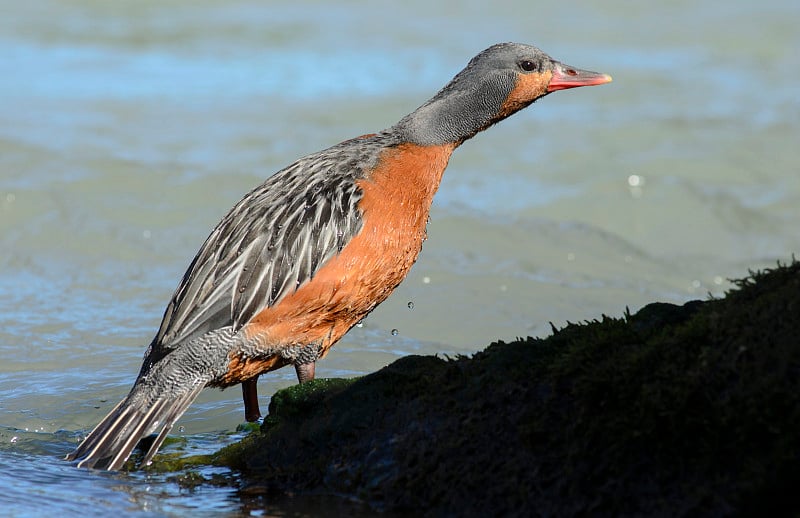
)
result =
(271, 242)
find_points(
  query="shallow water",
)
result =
(128, 130)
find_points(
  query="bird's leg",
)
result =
(250, 397)
(305, 371)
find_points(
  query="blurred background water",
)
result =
(128, 129)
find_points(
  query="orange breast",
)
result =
(396, 202)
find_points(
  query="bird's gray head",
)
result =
(496, 83)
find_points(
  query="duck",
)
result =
(309, 253)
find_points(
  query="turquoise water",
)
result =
(128, 129)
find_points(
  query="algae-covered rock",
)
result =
(675, 410)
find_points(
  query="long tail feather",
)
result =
(174, 414)
(112, 441)
(167, 384)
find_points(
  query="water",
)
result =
(128, 129)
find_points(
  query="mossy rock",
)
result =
(676, 410)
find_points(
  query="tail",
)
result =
(156, 401)
(112, 441)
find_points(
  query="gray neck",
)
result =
(458, 112)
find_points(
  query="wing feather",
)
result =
(274, 240)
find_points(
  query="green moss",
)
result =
(233, 455)
(290, 403)
(248, 427)
(177, 461)
(298, 399)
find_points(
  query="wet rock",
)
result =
(676, 410)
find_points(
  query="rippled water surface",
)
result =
(128, 129)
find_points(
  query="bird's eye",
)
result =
(527, 65)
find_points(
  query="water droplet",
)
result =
(410, 305)
(360, 323)
(241, 290)
(181, 429)
(426, 280)
(635, 180)
(395, 332)
(14, 439)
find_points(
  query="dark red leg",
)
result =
(305, 371)
(250, 396)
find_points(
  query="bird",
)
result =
(306, 255)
